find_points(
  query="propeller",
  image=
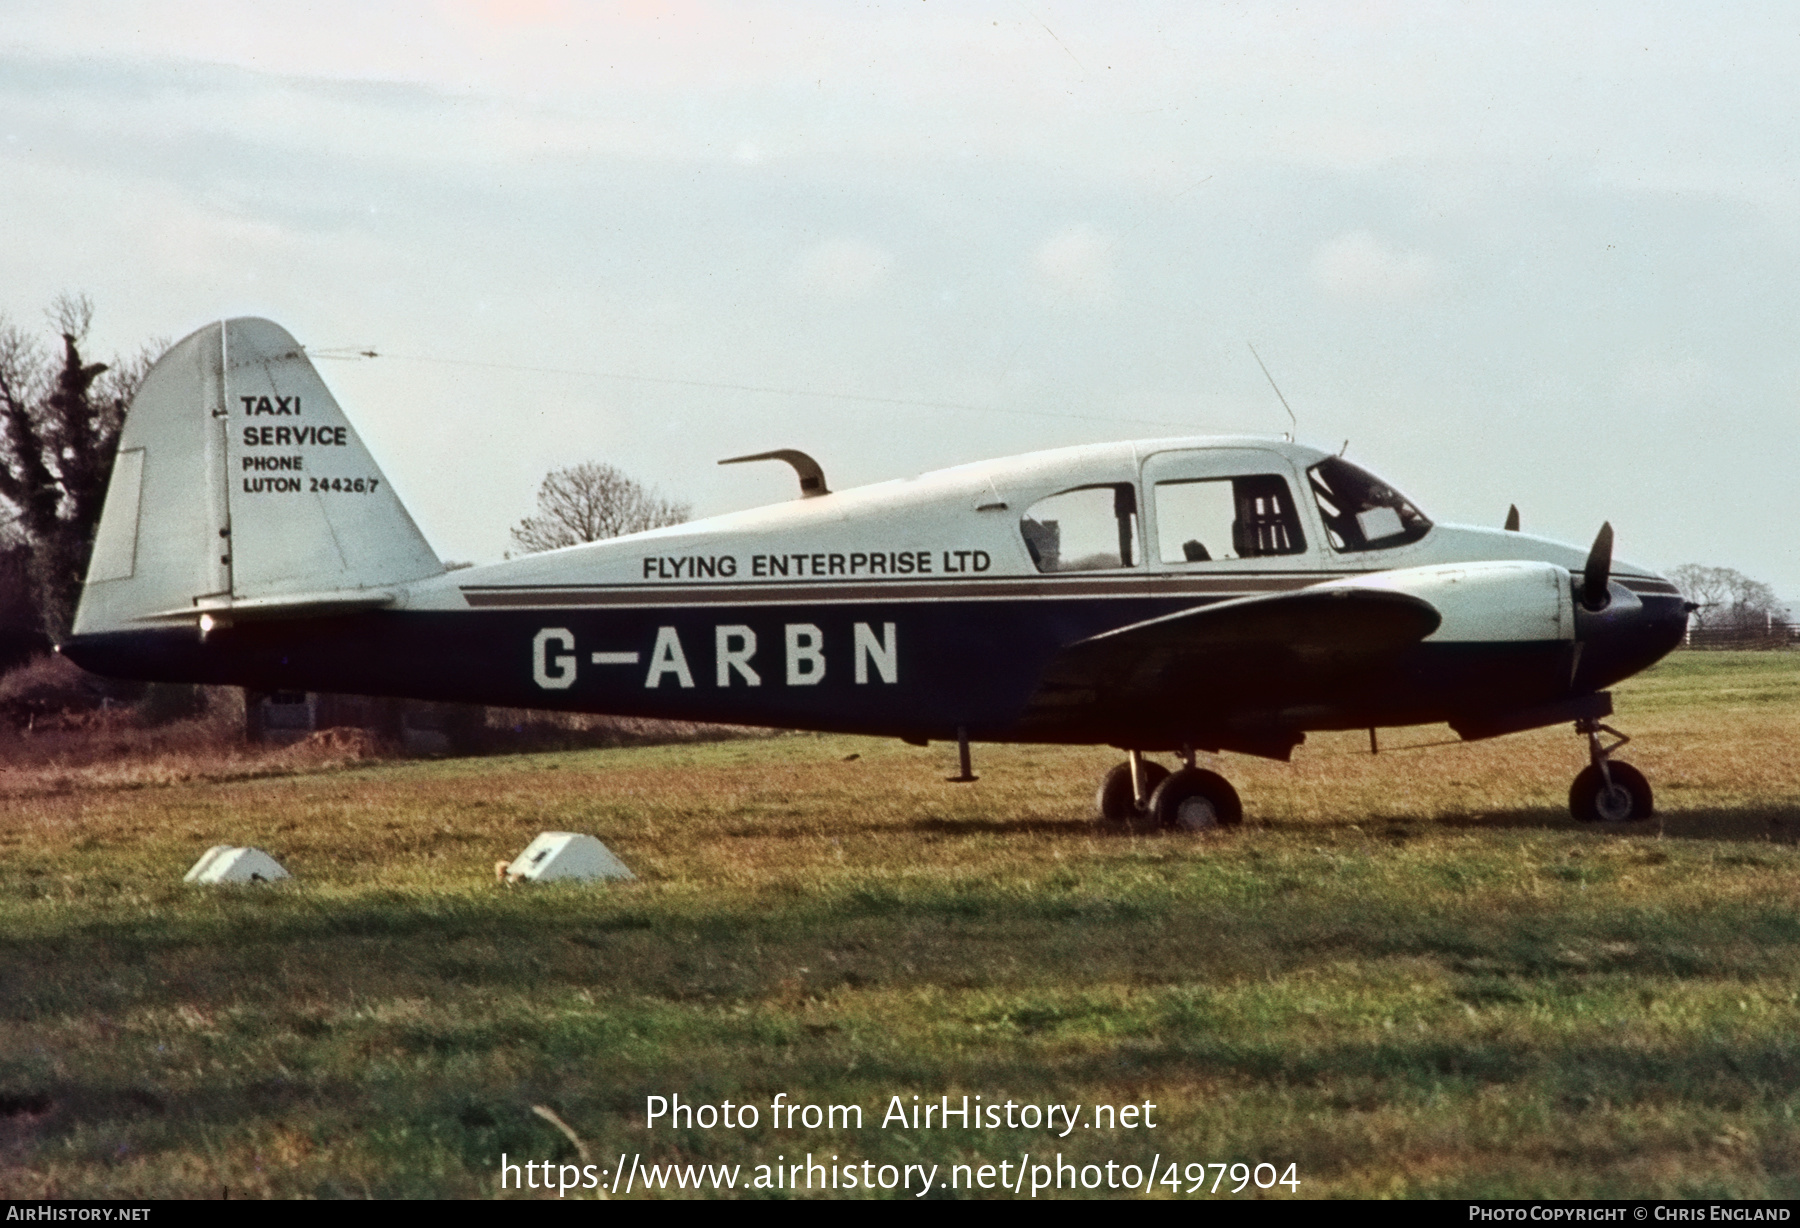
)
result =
(1512, 518)
(1598, 570)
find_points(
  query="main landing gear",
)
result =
(1608, 792)
(1188, 799)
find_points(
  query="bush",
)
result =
(166, 702)
(51, 686)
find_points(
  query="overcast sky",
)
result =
(1534, 254)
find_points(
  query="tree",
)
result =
(1728, 600)
(589, 502)
(59, 429)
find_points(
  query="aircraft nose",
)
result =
(1640, 624)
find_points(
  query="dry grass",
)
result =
(1409, 973)
(112, 748)
(108, 750)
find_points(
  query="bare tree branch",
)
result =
(27, 480)
(1727, 599)
(589, 502)
(12, 533)
(72, 315)
(59, 430)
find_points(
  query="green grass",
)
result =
(1409, 974)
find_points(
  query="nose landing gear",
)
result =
(1189, 799)
(1608, 792)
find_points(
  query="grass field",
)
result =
(1408, 974)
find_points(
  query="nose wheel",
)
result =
(1604, 791)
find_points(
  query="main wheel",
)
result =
(1115, 802)
(1194, 799)
(1627, 800)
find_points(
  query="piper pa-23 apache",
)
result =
(1164, 596)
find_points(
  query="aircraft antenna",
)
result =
(1295, 422)
(358, 354)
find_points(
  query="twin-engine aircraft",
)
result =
(1165, 596)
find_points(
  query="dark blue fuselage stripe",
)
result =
(976, 663)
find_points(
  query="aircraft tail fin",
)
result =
(239, 480)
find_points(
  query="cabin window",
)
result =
(1361, 512)
(1212, 519)
(1090, 528)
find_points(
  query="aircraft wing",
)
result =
(1233, 664)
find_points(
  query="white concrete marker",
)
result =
(225, 863)
(557, 855)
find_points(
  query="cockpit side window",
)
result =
(1361, 512)
(1089, 528)
(1211, 519)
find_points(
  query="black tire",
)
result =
(1115, 802)
(1628, 801)
(1195, 800)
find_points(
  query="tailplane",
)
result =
(241, 490)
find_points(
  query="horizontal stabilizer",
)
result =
(288, 605)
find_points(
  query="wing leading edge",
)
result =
(1222, 675)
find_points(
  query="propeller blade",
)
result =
(1598, 570)
(1512, 518)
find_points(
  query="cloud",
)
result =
(841, 269)
(1077, 267)
(1666, 378)
(1360, 267)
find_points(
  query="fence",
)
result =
(1761, 639)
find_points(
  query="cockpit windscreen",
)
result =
(1362, 512)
